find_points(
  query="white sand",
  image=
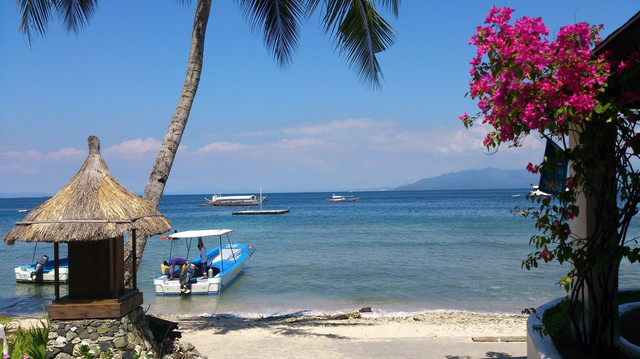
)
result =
(429, 335)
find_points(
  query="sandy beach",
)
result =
(428, 335)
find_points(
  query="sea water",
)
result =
(397, 252)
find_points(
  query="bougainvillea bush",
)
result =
(527, 84)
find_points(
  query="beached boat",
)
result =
(245, 200)
(225, 263)
(338, 198)
(536, 192)
(42, 271)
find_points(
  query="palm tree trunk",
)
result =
(160, 172)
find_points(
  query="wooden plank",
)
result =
(65, 308)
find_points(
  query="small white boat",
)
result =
(42, 271)
(536, 192)
(226, 262)
(338, 198)
(244, 200)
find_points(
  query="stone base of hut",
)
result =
(124, 337)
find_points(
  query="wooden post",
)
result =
(134, 273)
(56, 269)
(113, 281)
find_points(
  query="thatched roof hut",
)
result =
(93, 206)
(91, 214)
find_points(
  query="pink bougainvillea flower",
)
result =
(546, 254)
(523, 81)
(570, 183)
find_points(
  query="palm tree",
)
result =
(356, 27)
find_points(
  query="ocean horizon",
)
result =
(398, 252)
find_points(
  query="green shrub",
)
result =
(30, 342)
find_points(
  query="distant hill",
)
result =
(24, 195)
(488, 178)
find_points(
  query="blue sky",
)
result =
(309, 127)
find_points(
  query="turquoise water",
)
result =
(398, 252)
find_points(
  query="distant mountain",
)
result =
(24, 195)
(488, 178)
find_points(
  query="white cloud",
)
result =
(134, 148)
(340, 128)
(31, 161)
(222, 147)
(298, 143)
(67, 153)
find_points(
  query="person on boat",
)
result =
(203, 257)
(176, 261)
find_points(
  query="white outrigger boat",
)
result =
(225, 263)
(42, 271)
(338, 198)
(244, 200)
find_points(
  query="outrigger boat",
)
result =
(42, 271)
(338, 198)
(245, 200)
(225, 263)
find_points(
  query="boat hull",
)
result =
(231, 269)
(200, 285)
(235, 203)
(23, 273)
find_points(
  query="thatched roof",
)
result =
(94, 205)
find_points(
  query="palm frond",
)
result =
(360, 33)
(279, 21)
(37, 13)
(35, 16)
(75, 13)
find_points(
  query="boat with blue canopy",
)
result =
(225, 262)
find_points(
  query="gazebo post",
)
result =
(56, 269)
(134, 273)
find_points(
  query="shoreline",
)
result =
(363, 313)
(207, 306)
